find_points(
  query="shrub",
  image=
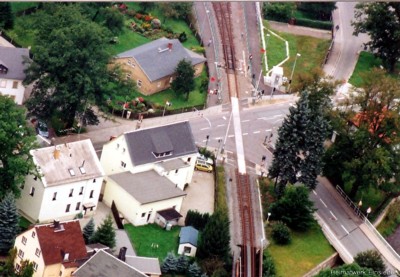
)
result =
(182, 37)
(325, 25)
(268, 265)
(371, 259)
(130, 13)
(156, 23)
(146, 26)
(281, 233)
(197, 219)
(148, 18)
(139, 16)
(279, 11)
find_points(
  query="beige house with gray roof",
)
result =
(70, 183)
(152, 65)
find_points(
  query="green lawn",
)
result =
(24, 223)
(128, 40)
(312, 52)
(391, 220)
(305, 252)
(220, 200)
(365, 63)
(143, 237)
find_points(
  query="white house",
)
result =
(188, 241)
(12, 72)
(55, 249)
(70, 182)
(147, 170)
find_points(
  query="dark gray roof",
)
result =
(177, 138)
(156, 63)
(169, 214)
(188, 234)
(144, 264)
(12, 58)
(147, 187)
(103, 264)
(173, 164)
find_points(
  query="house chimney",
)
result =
(170, 46)
(122, 253)
(56, 223)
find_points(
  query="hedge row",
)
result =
(325, 25)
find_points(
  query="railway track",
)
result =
(250, 259)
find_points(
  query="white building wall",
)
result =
(30, 205)
(114, 153)
(6, 88)
(131, 209)
(182, 246)
(29, 249)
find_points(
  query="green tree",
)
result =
(183, 83)
(347, 270)
(281, 233)
(9, 223)
(279, 11)
(145, 6)
(26, 269)
(16, 140)
(169, 264)
(215, 239)
(197, 219)
(69, 68)
(112, 19)
(105, 233)
(294, 208)
(268, 266)
(6, 15)
(381, 21)
(182, 264)
(318, 10)
(88, 231)
(371, 259)
(194, 270)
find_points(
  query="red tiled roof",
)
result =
(55, 244)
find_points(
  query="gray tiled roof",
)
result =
(103, 264)
(12, 58)
(158, 64)
(144, 264)
(177, 138)
(147, 186)
(173, 164)
(188, 234)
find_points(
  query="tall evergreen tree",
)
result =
(169, 264)
(105, 233)
(215, 239)
(184, 80)
(6, 15)
(194, 270)
(9, 223)
(182, 264)
(88, 231)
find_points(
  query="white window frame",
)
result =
(139, 83)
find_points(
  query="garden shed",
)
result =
(188, 241)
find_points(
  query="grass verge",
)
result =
(366, 61)
(220, 191)
(391, 221)
(305, 251)
(143, 237)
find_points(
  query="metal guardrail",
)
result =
(368, 223)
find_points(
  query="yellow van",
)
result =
(203, 166)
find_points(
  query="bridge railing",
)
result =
(368, 223)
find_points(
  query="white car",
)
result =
(201, 157)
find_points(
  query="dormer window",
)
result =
(3, 69)
(66, 257)
(161, 155)
(71, 172)
(82, 170)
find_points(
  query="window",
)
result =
(24, 240)
(176, 171)
(71, 172)
(33, 234)
(78, 205)
(139, 83)
(189, 159)
(71, 192)
(81, 191)
(187, 250)
(128, 76)
(32, 191)
(123, 164)
(15, 84)
(143, 214)
(17, 267)
(60, 273)
(82, 170)
(21, 254)
(54, 196)
(91, 194)
(68, 207)
(94, 180)
(3, 83)
(159, 84)
(35, 266)
(38, 252)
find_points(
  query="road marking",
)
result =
(204, 140)
(221, 125)
(333, 215)
(246, 120)
(218, 138)
(245, 134)
(205, 128)
(314, 192)
(323, 203)
(268, 130)
(231, 136)
(345, 229)
(256, 132)
(224, 117)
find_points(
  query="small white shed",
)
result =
(188, 241)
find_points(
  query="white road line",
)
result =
(268, 130)
(231, 136)
(245, 134)
(221, 125)
(314, 192)
(256, 132)
(323, 203)
(246, 120)
(345, 229)
(333, 215)
(218, 138)
(260, 118)
(205, 128)
(224, 117)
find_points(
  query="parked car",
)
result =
(42, 128)
(203, 166)
(201, 157)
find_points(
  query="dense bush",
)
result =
(268, 265)
(197, 219)
(325, 25)
(371, 259)
(281, 233)
(279, 11)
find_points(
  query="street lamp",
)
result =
(368, 211)
(269, 214)
(294, 66)
(207, 138)
(165, 106)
